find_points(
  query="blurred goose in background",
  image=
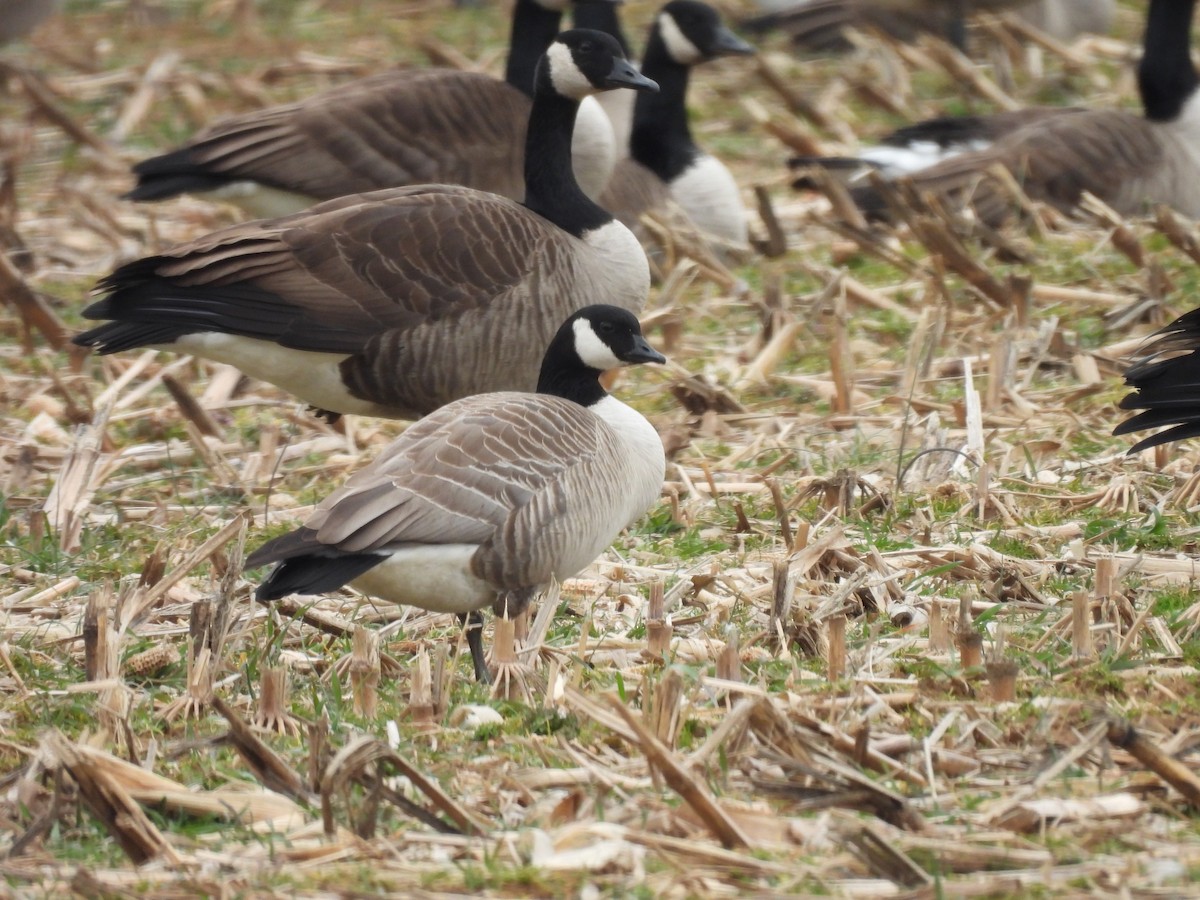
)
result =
(665, 165)
(617, 105)
(1128, 161)
(19, 17)
(820, 25)
(396, 302)
(412, 126)
(1166, 385)
(487, 500)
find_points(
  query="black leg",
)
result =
(473, 623)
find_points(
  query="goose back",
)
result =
(392, 129)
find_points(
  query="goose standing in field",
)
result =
(1130, 162)
(665, 164)
(821, 25)
(486, 500)
(1166, 383)
(422, 126)
(396, 302)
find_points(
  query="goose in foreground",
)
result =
(396, 302)
(1129, 161)
(486, 500)
(1166, 385)
(422, 126)
(684, 34)
(821, 25)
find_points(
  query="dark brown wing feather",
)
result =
(397, 128)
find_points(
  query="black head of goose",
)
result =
(684, 34)
(1166, 385)
(396, 302)
(412, 126)
(486, 500)
(1128, 161)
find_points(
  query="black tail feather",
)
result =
(315, 574)
(1166, 385)
(172, 174)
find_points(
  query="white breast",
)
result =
(710, 197)
(593, 147)
(621, 274)
(644, 466)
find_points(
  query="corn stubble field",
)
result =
(826, 663)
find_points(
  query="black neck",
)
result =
(563, 375)
(660, 139)
(1166, 78)
(550, 187)
(601, 15)
(533, 29)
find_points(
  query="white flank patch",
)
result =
(261, 201)
(312, 377)
(682, 50)
(892, 162)
(593, 351)
(436, 577)
(708, 194)
(565, 75)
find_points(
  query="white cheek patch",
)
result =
(568, 81)
(593, 351)
(682, 50)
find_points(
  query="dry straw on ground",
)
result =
(906, 623)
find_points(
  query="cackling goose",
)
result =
(486, 500)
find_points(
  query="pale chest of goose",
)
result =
(396, 302)
(487, 500)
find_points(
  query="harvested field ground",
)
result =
(875, 671)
